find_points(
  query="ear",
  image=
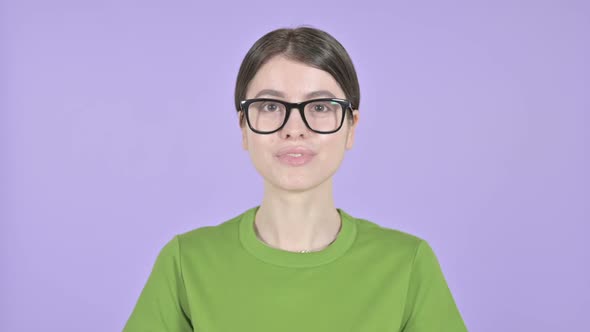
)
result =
(351, 130)
(244, 130)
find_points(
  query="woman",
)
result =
(296, 262)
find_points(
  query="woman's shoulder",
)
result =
(212, 234)
(388, 237)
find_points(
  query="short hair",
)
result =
(305, 44)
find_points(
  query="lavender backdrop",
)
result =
(117, 131)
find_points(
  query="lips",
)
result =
(295, 156)
(295, 150)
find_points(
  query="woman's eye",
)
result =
(271, 107)
(320, 108)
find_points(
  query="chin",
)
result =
(296, 182)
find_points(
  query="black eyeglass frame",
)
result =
(245, 106)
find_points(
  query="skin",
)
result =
(297, 211)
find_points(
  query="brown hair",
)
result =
(304, 44)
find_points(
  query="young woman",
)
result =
(296, 262)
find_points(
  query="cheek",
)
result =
(260, 147)
(332, 149)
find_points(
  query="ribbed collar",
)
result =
(276, 256)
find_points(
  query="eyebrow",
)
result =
(313, 94)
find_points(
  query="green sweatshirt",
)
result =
(223, 278)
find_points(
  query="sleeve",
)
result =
(162, 305)
(429, 303)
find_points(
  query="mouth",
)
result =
(295, 159)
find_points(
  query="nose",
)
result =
(295, 125)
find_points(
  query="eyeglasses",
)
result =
(323, 116)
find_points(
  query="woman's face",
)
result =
(295, 81)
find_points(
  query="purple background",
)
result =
(117, 131)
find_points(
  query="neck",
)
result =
(296, 221)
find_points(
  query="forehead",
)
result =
(294, 80)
